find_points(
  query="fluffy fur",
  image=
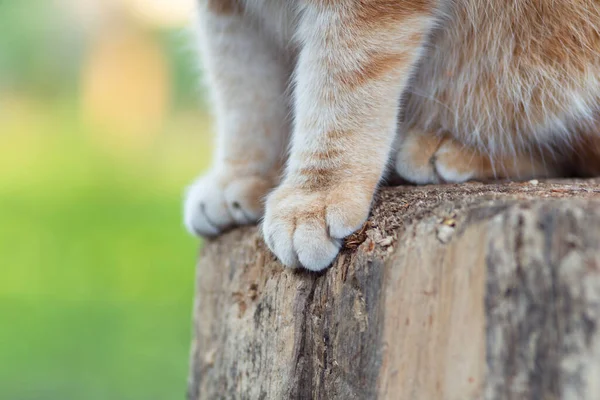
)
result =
(315, 97)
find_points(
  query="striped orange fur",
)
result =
(314, 98)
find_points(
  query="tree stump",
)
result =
(454, 292)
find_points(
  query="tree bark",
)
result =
(449, 292)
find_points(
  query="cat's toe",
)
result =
(413, 159)
(245, 199)
(455, 164)
(217, 202)
(307, 228)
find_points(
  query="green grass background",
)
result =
(96, 270)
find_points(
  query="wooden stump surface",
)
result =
(459, 292)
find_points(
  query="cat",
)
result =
(316, 100)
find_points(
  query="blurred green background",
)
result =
(101, 128)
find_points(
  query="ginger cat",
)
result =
(316, 98)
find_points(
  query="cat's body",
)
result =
(501, 88)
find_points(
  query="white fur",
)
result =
(249, 61)
(250, 76)
(371, 111)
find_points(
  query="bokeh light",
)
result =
(101, 127)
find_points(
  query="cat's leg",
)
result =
(355, 62)
(248, 78)
(424, 158)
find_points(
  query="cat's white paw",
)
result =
(219, 201)
(306, 228)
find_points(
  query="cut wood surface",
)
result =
(458, 292)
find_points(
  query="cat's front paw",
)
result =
(220, 200)
(306, 228)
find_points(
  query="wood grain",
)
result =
(449, 292)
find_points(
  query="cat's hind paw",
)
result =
(426, 158)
